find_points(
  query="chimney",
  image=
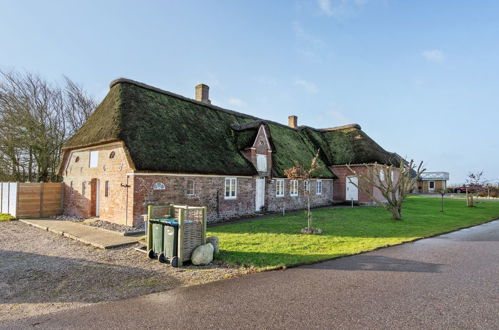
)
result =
(292, 121)
(203, 93)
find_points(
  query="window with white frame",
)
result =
(318, 187)
(279, 188)
(393, 175)
(306, 185)
(261, 163)
(381, 175)
(190, 187)
(93, 159)
(230, 188)
(159, 186)
(293, 188)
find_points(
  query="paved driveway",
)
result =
(451, 281)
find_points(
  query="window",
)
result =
(306, 185)
(83, 188)
(112, 154)
(94, 159)
(432, 184)
(77, 159)
(318, 190)
(381, 175)
(279, 188)
(230, 188)
(393, 175)
(106, 189)
(293, 189)
(159, 186)
(261, 163)
(190, 187)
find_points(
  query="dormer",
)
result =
(253, 142)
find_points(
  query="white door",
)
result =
(431, 186)
(260, 194)
(352, 192)
(97, 197)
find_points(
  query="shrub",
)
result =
(6, 217)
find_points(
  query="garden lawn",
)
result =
(275, 242)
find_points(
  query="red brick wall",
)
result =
(340, 184)
(276, 204)
(82, 203)
(209, 191)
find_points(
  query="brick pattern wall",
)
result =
(424, 186)
(342, 172)
(208, 191)
(80, 201)
(288, 202)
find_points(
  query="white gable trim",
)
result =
(266, 138)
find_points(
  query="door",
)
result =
(352, 192)
(260, 194)
(97, 197)
(431, 186)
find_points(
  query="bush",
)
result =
(6, 217)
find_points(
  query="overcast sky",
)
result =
(420, 77)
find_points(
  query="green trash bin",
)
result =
(164, 243)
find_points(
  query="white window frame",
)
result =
(429, 185)
(293, 188)
(230, 188)
(193, 192)
(318, 187)
(158, 186)
(93, 159)
(382, 175)
(261, 163)
(306, 185)
(393, 176)
(279, 188)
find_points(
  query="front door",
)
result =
(352, 192)
(95, 197)
(260, 194)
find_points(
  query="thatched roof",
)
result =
(167, 132)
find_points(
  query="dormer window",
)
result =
(261, 163)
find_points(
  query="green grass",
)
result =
(276, 242)
(6, 217)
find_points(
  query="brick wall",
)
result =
(342, 172)
(80, 201)
(274, 203)
(208, 191)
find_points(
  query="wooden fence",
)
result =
(31, 200)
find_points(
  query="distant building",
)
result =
(432, 182)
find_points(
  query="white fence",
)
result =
(8, 198)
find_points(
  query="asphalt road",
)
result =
(450, 281)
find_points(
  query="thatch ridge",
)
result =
(167, 132)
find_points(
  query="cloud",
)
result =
(434, 55)
(309, 86)
(340, 8)
(302, 34)
(266, 80)
(339, 118)
(234, 101)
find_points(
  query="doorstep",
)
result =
(95, 236)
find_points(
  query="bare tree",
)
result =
(393, 188)
(36, 117)
(306, 172)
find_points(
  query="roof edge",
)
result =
(335, 128)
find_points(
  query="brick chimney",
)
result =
(292, 121)
(203, 93)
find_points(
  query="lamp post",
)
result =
(442, 193)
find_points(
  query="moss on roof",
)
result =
(166, 132)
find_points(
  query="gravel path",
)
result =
(41, 272)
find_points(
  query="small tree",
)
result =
(306, 172)
(393, 189)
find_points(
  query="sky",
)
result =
(420, 77)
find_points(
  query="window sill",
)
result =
(230, 198)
